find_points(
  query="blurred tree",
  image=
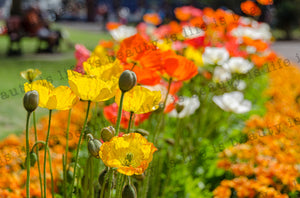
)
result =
(287, 15)
(91, 10)
(16, 8)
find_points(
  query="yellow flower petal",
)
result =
(144, 99)
(92, 88)
(130, 154)
(65, 98)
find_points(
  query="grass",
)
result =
(52, 66)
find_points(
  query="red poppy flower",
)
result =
(111, 112)
(81, 54)
(179, 67)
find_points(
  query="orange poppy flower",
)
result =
(250, 8)
(112, 25)
(265, 2)
(179, 67)
(152, 18)
(258, 44)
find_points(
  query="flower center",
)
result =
(128, 159)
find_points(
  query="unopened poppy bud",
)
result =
(127, 80)
(129, 191)
(33, 158)
(170, 141)
(31, 100)
(179, 107)
(107, 133)
(94, 147)
(143, 132)
(139, 177)
(102, 177)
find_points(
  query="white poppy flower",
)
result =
(190, 105)
(239, 84)
(221, 74)
(238, 65)
(233, 102)
(122, 32)
(215, 55)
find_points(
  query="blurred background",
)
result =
(283, 15)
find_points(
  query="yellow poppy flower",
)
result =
(60, 98)
(30, 74)
(194, 55)
(92, 88)
(94, 66)
(130, 154)
(139, 100)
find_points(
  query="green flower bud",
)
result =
(102, 177)
(127, 80)
(31, 101)
(143, 132)
(170, 141)
(179, 107)
(107, 133)
(129, 191)
(94, 147)
(33, 158)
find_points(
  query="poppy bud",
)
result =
(127, 80)
(107, 133)
(179, 107)
(170, 141)
(31, 101)
(102, 177)
(33, 158)
(94, 147)
(143, 132)
(129, 191)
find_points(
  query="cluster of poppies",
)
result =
(142, 71)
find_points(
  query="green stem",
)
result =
(78, 145)
(120, 183)
(36, 143)
(27, 157)
(38, 155)
(66, 154)
(119, 114)
(45, 154)
(51, 173)
(91, 180)
(110, 179)
(107, 175)
(86, 177)
(130, 120)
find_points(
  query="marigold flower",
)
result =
(92, 88)
(60, 98)
(130, 154)
(144, 99)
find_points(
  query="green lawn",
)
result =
(52, 66)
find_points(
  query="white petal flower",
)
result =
(221, 75)
(239, 84)
(233, 102)
(122, 32)
(215, 55)
(238, 65)
(190, 105)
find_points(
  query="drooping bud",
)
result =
(179, 107)
(107, 133)
(94, 146)
(31, 100)
(129, 191)
(30, 74)
(143, 132)
(127, 80)
(102, 177)
(33, 158)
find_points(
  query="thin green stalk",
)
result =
(91, 180)
(51, 173)
(119, 114)
(45, 154)
(38, 155)
(107, 175)
(66, 154)
(130, 120)
(86, 177)
(110, 178)
(27, 157)
(78, 145)
(120, 183)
